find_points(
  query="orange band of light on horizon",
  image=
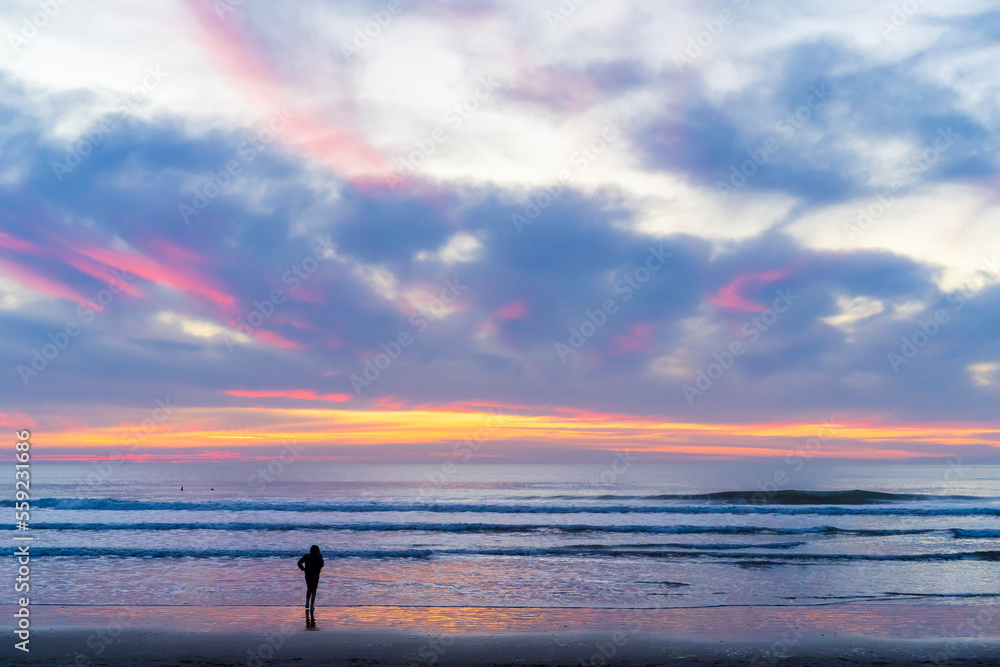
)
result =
(237, 426)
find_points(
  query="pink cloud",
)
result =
(84, 265)
(69, 258)
(172, 253)
(13, 243)
(639, 339)
(515, 310)
(730, 297)
(17, 420)
(28, 277)
(305, 394)
(306, 294)
(276, 340)
(184, 281)
(336, 144)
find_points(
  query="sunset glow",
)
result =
(502, 434)
(362, 242)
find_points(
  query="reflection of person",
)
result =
(311, 564)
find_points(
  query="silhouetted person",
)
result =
(311, 564)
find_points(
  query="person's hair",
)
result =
(314, 549)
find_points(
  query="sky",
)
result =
(501, 231)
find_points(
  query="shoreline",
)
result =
(842, 634)
(876, 620)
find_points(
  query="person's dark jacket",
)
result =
(311, 564)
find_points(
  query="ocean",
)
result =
(620, 535)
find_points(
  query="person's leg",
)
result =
(311, 595)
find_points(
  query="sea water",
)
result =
(620, 535)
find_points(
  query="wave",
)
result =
(584, 551)
(943, 595)
(893, 595)
(783, 497)
(795, 497)
(474, 528)
(602, 548)
(962, 533)
(236, 505)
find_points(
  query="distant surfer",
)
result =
(311, 564)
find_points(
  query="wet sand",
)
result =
(845, 634)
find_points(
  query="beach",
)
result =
(843, 634)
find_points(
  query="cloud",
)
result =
(807, 191)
